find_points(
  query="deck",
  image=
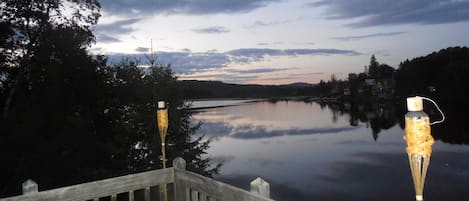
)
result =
(182, 185)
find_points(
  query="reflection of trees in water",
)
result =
(377, 116)
(453, 130)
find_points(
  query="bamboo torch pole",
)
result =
(419, 143)
(162, 120)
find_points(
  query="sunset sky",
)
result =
(278, 41)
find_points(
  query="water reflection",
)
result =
(380, 116)
(312, 151)
(216, 129)
(376, 116)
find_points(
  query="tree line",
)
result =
(440, 76)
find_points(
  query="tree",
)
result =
(66, 116)
(129, 113)
(31, 24)
(373, 68)
(48, 93)
(441, 76)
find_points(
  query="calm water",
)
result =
(309, 152)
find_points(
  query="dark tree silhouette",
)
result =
(66, 116)
(373, 67)
(441, 76)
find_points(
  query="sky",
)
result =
(277, 41)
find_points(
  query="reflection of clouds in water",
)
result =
(236, 122)
(221, 159)
(353, 142)
(200, 105)
(363, 142)
(215, 129)
(219, 129)
(372, 180)
(282, 115)
(346, 166)
(263, 132)
(262, 162)
(280, 142)
(215, 115)
(366, 181)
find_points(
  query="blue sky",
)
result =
(278, 41)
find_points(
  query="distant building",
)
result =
(382, 88)
(347, 92)
(370, 82)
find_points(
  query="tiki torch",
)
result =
(162, 120)
(162, 116)
(419, 141)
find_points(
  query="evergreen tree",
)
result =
(373, 68)
(67, 117)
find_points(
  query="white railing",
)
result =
(182, 186)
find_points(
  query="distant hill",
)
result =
(195, 89)
(300, 84)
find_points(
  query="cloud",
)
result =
(181, 62)
(225, 77)
(106, 39)
(349, 38)
(254, 52)
(262, 44)
(186, 61)
(193, 61)
(142, 49)
(306, 74)
(290, 76)
(259, 24)
(231, 75)
(247, 55)
(118, 28)
(96, 50)
(211, 30)
(375, 13)
(295, 52)
(259, 70)
(202, 7)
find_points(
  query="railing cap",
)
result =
(29, 186)
(260, 187)
(179, 162)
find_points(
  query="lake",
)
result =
(312, 151)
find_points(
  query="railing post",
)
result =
(29, 186)
(180, 189)
(146, 194)
(180, 163)
(260, 187)
(131, 196)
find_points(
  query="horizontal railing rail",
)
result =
(185, 186)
